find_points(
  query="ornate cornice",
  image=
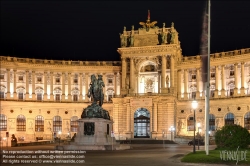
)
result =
(148, 49)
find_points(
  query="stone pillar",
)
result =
(179, 83)
(159, 81)
(80, 97)
(136, 91)
(104, 88)
(236, 79)
(51, 87)
(131, 78)
(115, 83)
(8, 83)
(172, 72)
(223, 81)
(33, 85)
(163, 72)
(185, 84)
(216, 81)
(242, 89)
(86, 87)
(27, 95)
(63, 86)
(69, 87)
(45, 96)
(155, 117)
(128, 118)
(124, 75)
(14, 86)
(198, 83)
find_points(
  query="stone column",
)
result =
(33, 85)
(86, 87)
(172, 72)
(131, 78)
(163, 72)
(14, 86)
(45, 96)
(69, 87)
(80, 97)
(236, 79)
(198, 82)
(8, 83)
(159, 81)
(124, 75)
(155, 117)
(128, 118)
(51, 87)
(115, 83)
(27, 95)
(242, 89)
(63, 86)
(179, 83)
(216, 81)
(185, 84)
(222, 80)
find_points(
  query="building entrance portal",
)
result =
(142, 123)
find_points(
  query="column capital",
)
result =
(123, 58)
(243, 63)
(236, 64)
(33, 71)
(69, 73)
(63, 73)
(8, 69)
(80, 74)
(223, 66)
(86, 74)
(115, 73)
(14, 70)
(45, 72)
(51, 72)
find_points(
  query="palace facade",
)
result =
(148, 93)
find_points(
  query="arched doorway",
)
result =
(142, 123)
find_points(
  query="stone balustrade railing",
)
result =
(218, 55)
(60, 62)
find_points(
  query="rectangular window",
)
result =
(57, 80)
(2, 77)
(2, 95)
(39, 79)
(110, 81)
(57, 97)
(39, 97)
(20, 78)
(231, 73)
(193, 95)
(231, 92)
(212, 93)
(75, 80)
(20, 96)
(212, 75)
(193, 77)
(75, 97)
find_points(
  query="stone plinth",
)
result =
(94, 134)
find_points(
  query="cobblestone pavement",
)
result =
(138, 155)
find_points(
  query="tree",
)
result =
(232, 137)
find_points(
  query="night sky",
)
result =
(89, 30)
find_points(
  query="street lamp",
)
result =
(59, 133)
(163, 133)
(171, 129)
(194, 106)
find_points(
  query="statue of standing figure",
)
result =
(131, 40)
(163, 38)
(172, 36)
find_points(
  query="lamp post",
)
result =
(163, 133)
(194, 106)
(59, 133)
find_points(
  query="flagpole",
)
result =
(207, 104)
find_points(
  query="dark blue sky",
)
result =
(82, 30)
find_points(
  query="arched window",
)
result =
(73, 124)
(3, 122)
(20, 92)
(247, 121)
(39, 93)
(57, 93)
(229, 119)
(190, 123)
(211, 122)
(75, 93)
(193, 90)
(57, 123)
(21, 123)
(39, 123)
